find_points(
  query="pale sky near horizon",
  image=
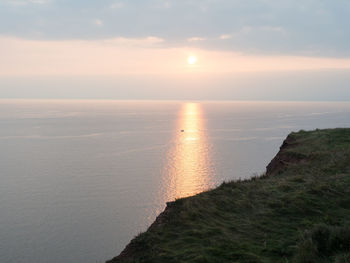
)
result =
(246, 50)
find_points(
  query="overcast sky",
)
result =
(138, 49)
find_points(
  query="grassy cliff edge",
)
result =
(299, 211)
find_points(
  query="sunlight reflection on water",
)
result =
(189, 169)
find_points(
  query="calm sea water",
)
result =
(79, 179)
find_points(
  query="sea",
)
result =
(80, 178)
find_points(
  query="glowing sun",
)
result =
(192, 60)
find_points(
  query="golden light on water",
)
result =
(189, 168)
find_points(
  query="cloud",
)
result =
(98, 22)
(225, 36)
(85, 57)
(139, 56)
(254, 29)
(314, 27)
(195, 39)
(117, 5)
(26, 2)
(162, 4)
(39, 1)
(134, 42)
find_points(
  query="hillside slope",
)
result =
(299, 211)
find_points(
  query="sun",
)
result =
(191, 60)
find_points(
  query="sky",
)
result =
(245, 50)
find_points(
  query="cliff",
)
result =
(299, 211)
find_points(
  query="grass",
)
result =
(301, 214)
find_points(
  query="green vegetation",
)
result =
(298, 212)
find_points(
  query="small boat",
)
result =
(182, 130)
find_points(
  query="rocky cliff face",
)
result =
(285, 157)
